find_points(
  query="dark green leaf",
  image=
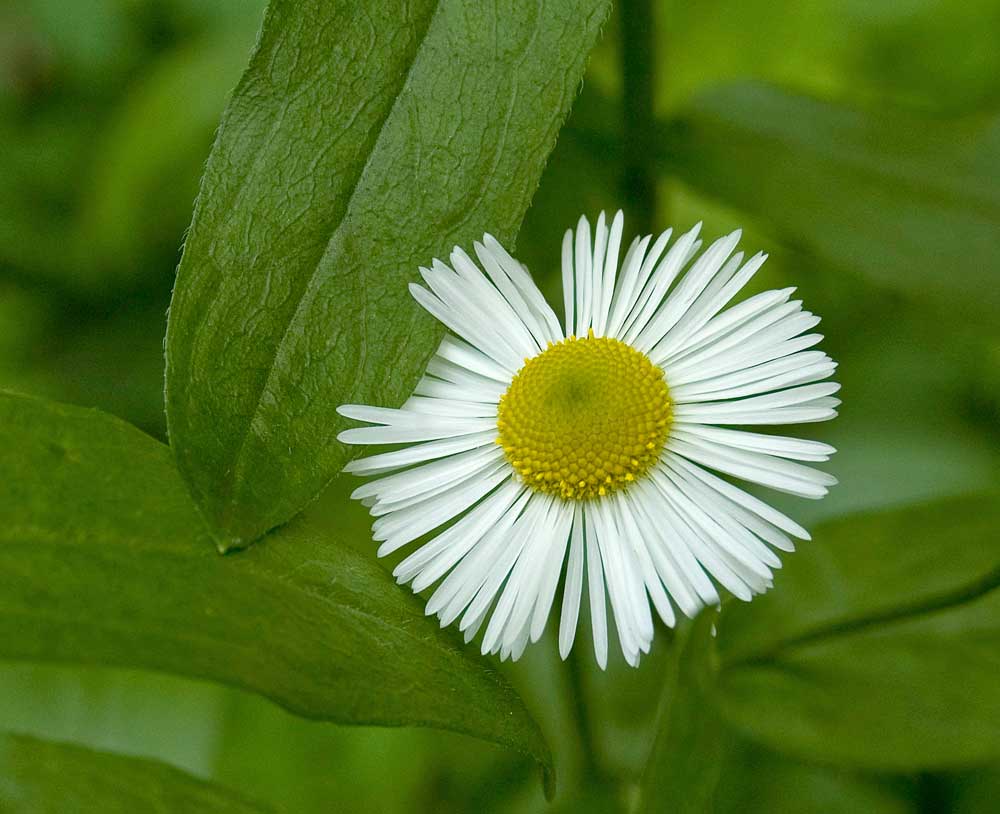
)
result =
(758, 781)
(880, 644)
(976, 792)
(41, 777)
(913, 204)
(361, 142)
(105, 560)
(691, 740)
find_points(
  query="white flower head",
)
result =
(537, 452)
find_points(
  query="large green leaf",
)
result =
(41, 777)
(363, 140)
(880, 644)
(106, 560)
(914, 204)
(691, 739)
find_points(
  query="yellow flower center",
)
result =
(584, 418)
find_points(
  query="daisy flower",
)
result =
(594, 451)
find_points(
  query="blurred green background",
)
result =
(870, 171)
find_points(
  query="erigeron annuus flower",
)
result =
(590, 452)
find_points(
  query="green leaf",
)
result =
(913, 204)
(106, 560)
(134, 712)
(976, 792)
(758, 781)
(144, 178)
(352, 152)
(880, 644)
(39, 776)
(691, 740)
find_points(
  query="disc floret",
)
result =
(585, 418)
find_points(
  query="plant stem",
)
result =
(592, 770)
(638, 127)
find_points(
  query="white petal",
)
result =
(767, 328)
(552, 569)
(747, 557)
(387, 461)
(654, 585)
(727, 512)
(569, 281)
(694, 282)
(595, 586)
(608, 277)
(465, 355)
(478, 333)
(432, 429)
(534, 321)
(583, 276)
(677, 566)
(482, 392)
(573, 585)
(460, 586)
(452, 408)
(754, 468)
(659, 281)
(718, 386)
(723, 288)
(525, 285)
(437, 556)
(615, 579)
(468, 291)
(728, 321)
(597, 268)
(635, 273)
(408, 524)
(512, 614)
(401, 485)
(500, 567)
(779, 445)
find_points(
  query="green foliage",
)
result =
(906, 201)
(757, 781)
(353, 152)
(121, 210)
(348, 156)
(39, 777)
(881, 647)
(691, 740)
(109, 563)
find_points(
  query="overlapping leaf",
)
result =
(912, 203)
(106, 560)
(880, 645)
(363, 140)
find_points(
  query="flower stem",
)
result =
(638, 127)
(591, 767)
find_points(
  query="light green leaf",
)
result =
(913, 204)
(106, 560)
(879, 646)
(144, 178)
(362, 142)
(41, 777)
(691, 740)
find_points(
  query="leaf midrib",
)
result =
(235, 473)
